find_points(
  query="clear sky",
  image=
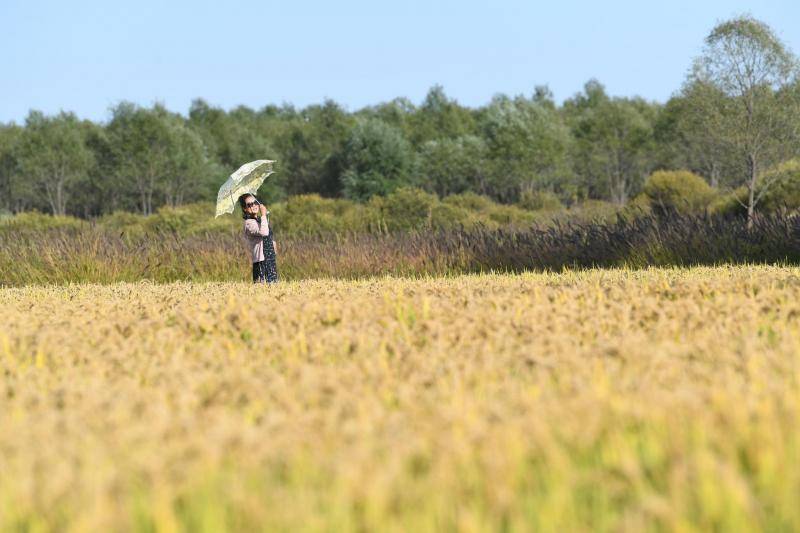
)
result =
(86, 55)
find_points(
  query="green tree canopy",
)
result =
(312, 147)
(527, 143)
(613, 142)
(453, 166)
(231, 138)
(377, 160)
(157, 153)
(440, 117)
(742, 88)
(53, 157)
(11, 197)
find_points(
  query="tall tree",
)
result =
(742, 88)
(311, 147)
(232, 138)
(439, 117)
(377, 160)
(527, 143)
(396, 113)
(92, 197)
(54, 157)
(101, 193)
(683, 142)
(154, 151)
(187, 176)
(453, 166)
(10, 199)
(613, 142)
(140, 143)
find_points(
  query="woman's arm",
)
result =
(254, 228)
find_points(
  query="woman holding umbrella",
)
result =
(240, 188)
(259, 239)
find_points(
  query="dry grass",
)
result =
(92, 253)
(600, 400)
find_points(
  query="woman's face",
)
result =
(251, 206)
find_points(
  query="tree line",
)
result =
(736, 116)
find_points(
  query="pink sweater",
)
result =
(254, 233)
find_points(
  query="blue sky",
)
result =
(85, 56)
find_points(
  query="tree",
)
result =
(97, 193)
(439, 117)
(613, 142)
(453, 166)
(742, 87)
(683, 140)
(10, 199)
(232, 139)
(187, 176)
(527, 143)
(154, 151)
(311, 148)
(397, 113)
(53, 157)
(377, 160)
(140, 144)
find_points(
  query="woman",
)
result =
(259, 239)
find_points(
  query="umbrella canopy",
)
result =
(246, 180)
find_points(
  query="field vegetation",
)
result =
(321, 238)
(600, 400)
(530, 315)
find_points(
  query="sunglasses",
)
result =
(250, 204)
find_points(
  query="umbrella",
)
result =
(246, 180)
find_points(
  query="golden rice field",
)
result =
(605, 400)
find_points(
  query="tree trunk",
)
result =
(619, 193)
(53, 194)
(61, 200)
(143, 200)
(714, 178)
(50, 199)
(751, 190)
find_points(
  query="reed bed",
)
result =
(96, 254)
(597, 400)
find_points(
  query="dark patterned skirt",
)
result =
(266, 270)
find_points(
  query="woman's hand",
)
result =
(262, 209)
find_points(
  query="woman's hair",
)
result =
(242, 199)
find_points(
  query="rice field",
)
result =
(599, 400)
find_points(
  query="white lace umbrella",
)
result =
(246, 180)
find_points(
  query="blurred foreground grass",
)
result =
(599, 400)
